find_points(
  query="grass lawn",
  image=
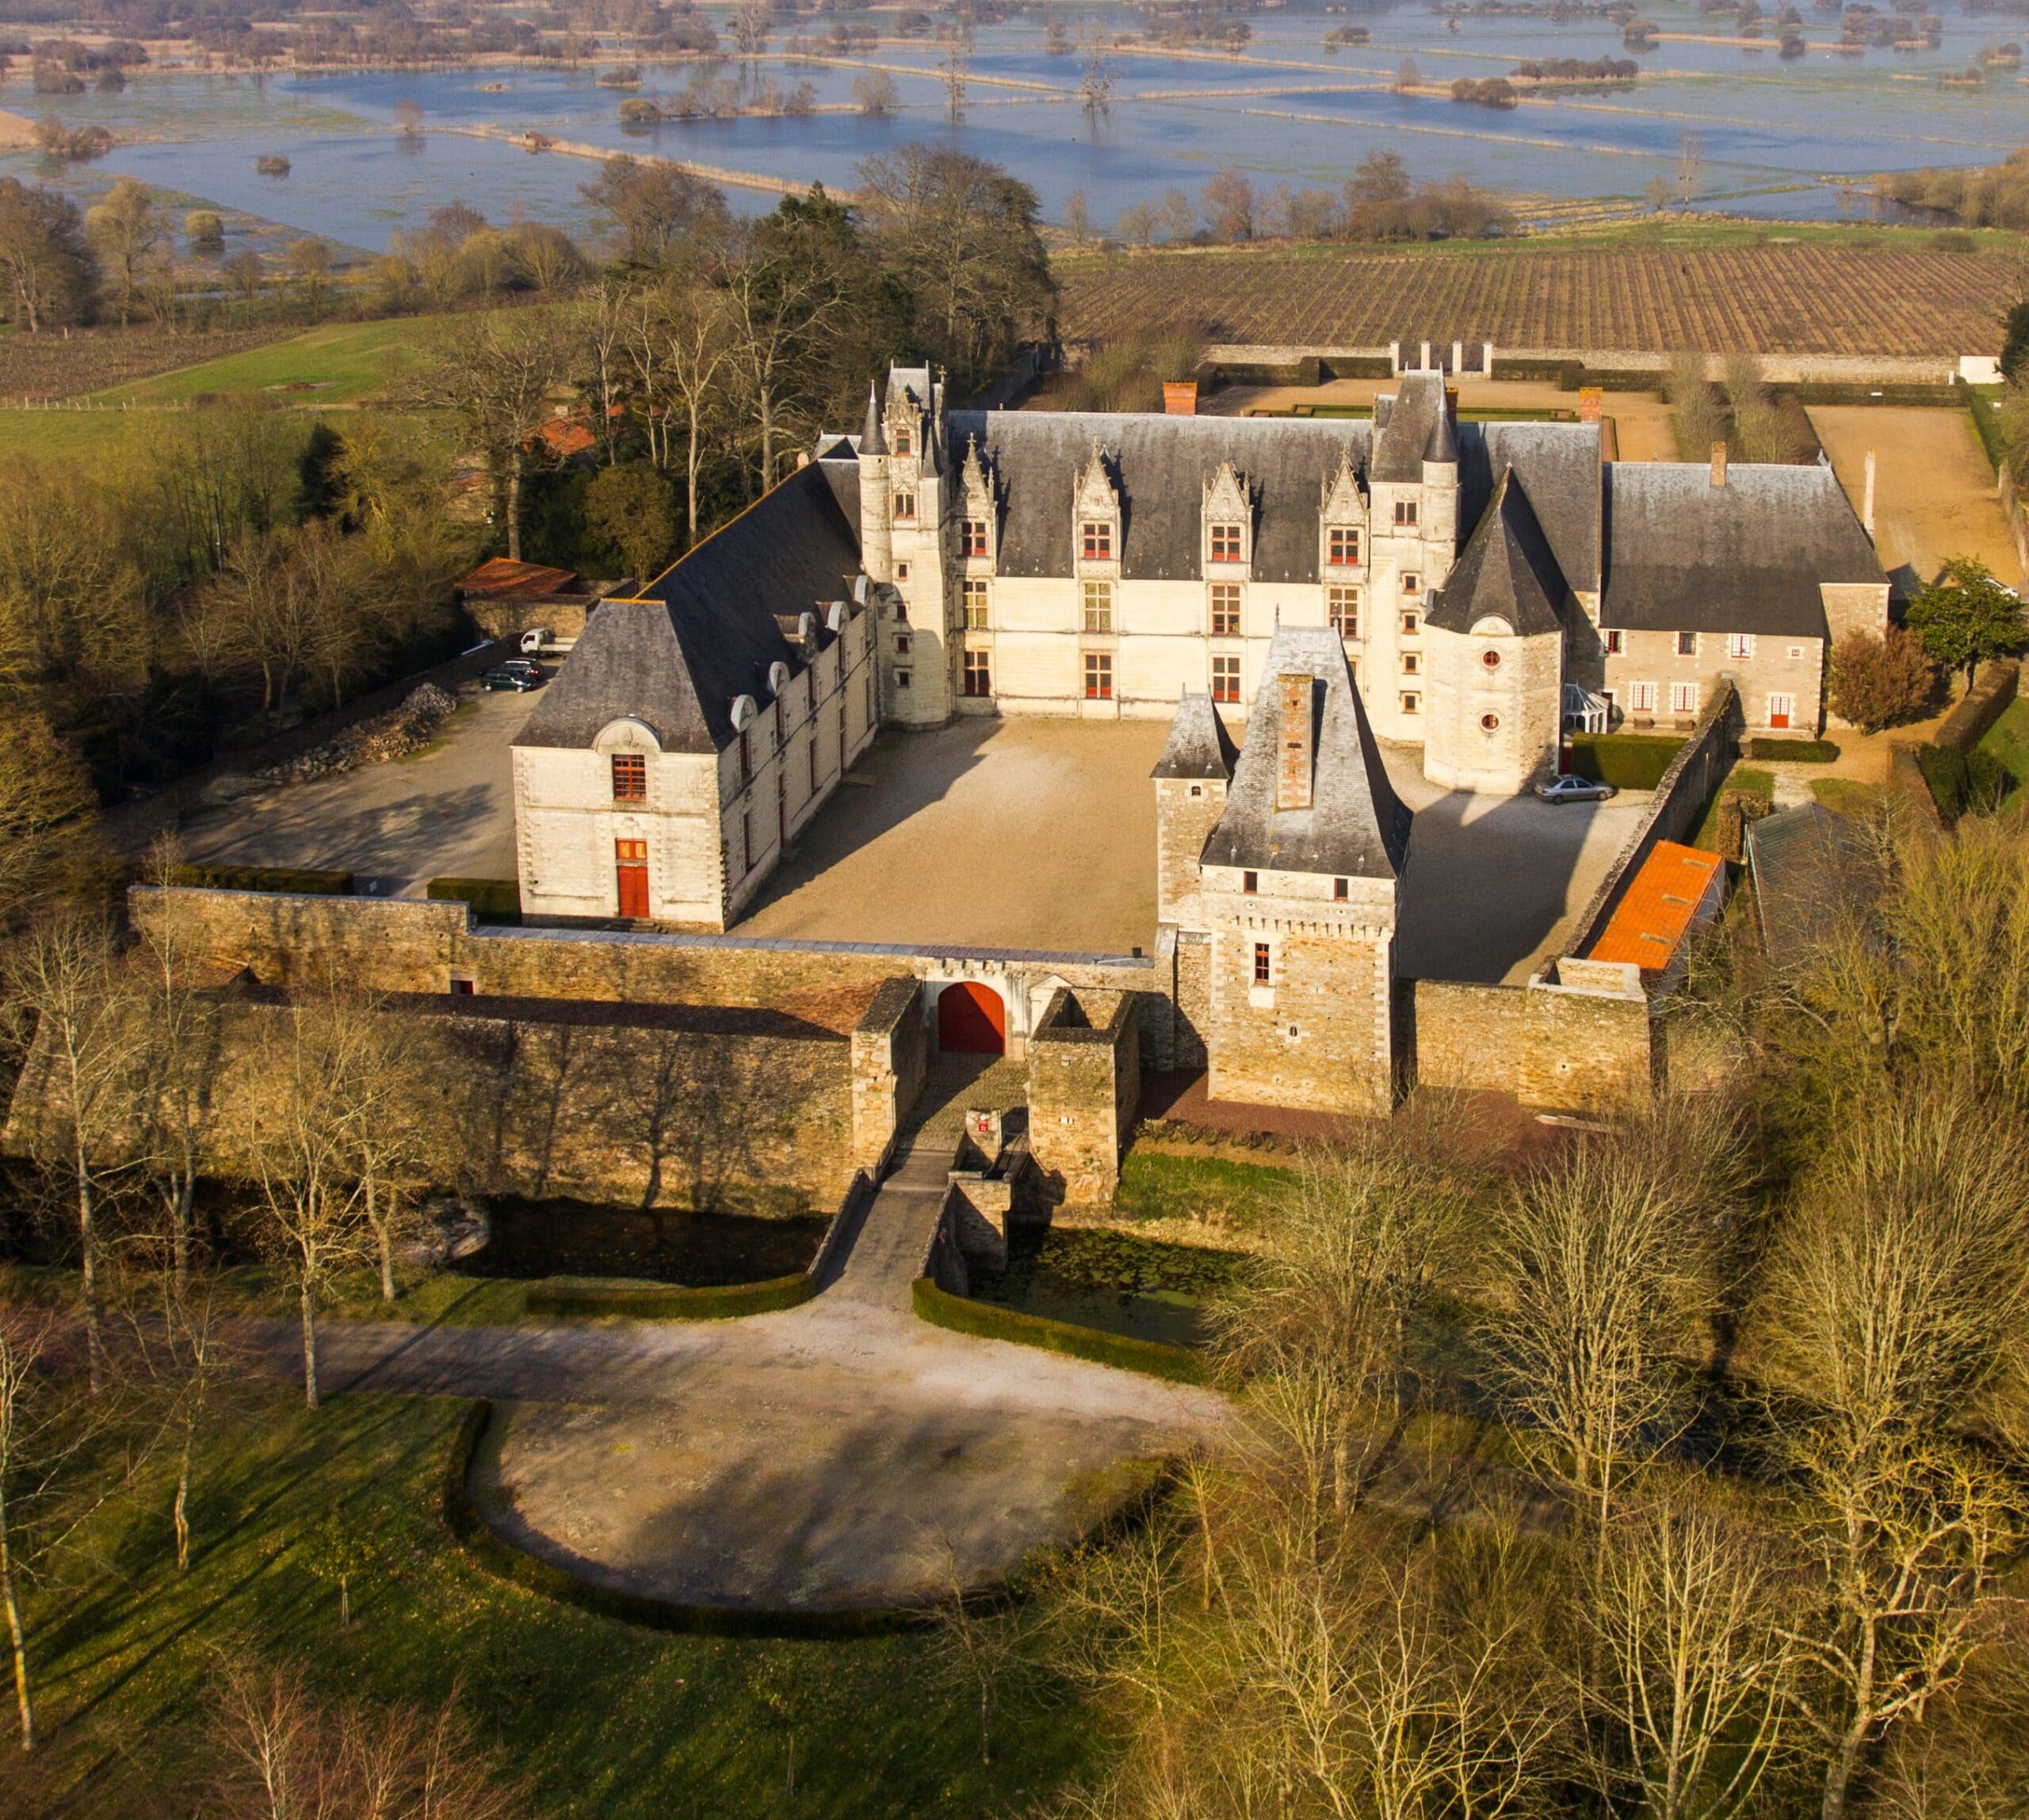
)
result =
(340, 361)
(1747, 780)
(2007, 740)
(61, 434)
(1846, 797)
(1229, 1196)
(606, 1719)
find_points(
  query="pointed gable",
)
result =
(1199, 745)
(1353, 825)
(975, 480)
(1229, 497)
(1096, 495)
(1341, 500)
(1505, 571)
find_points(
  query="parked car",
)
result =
(538, 641)
(1566, 787)
(517, 673)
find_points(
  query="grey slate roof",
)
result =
(1163, 466)
(706, 632)
(1559, 464)
(1356, 826)
(1810, 874)
(1685, 556)
(1199, 745)
(1507, 571)
(1413, 430)
(873, 441)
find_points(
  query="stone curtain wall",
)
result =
(588, 1102)
(1679, 801)
(890, 1045)
(1549, 1045)
(1084, 1082)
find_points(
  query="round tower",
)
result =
(876, 541)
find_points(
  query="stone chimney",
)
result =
(1293, 777)
(1718, 464)
(1180, 397)
(1866, 500)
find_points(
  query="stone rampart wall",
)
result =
(1084, 1082)
(1548, 1046)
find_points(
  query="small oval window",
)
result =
(1491, 722)
(1491, 659)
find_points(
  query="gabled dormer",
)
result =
(979, 517)
(1228, 517)
(1096, 519)
(1343, 551)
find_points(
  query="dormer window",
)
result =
(1405, 513)
(1228, 543)
(1095, 540)
(1343, 547)
(905, 508)
(972, 538)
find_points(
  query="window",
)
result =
(1413, 584)
(1098, 607)
(813, 765)
(630, 778)
(902, 574)
(746, 843)
(1413, 622)
(1616, 643)
(903, 678)
(461, 986)
(1796, 653)
(1249, 882)
(1343, 603)
(979, 674)
(1683, 697)
(901, 439)
(1261, 968)
(1342, 547)
(745, 758)
(1226, 543)
(1490, 723)
(1641, 698)
(1740, 645)
(1341, 890)
(972, 538)
(1412, 704)
(975, 606)
(1491, 659)
(1686, 644)
(778, 718)
(1095, 540)
(1197, 789)
(1225, 679)
(902, 644)
(1411, 662)
(1405, 512)
(905, 508)
(1225, 609)
(1099, 676)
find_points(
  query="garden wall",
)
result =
(1570, 1048)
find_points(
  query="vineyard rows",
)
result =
(1763, 300)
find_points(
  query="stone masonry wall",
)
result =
(1549, 1046)
(1084, 1082)
(889, 1045)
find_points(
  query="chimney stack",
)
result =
(1292, 788)
(1866, 502)
(1718, 464)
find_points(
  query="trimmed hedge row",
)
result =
(1794, 752)
(579, 1297)
(1986, 424)
(1994, 689)
(495, 900)
(301, 881)
(1959, 781)
(1627, 761)
(983, 1321)
(467, 1524)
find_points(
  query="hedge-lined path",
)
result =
(842, 1453)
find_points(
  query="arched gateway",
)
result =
(971, 1019)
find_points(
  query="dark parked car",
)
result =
(1569, 789)
(517, 673)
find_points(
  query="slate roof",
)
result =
(1685, 556)
(1559, 464)
(1199, 745)
(1507, 571)
(1810, 874)
(706, 632)
(1415, 428)
(1356, 826)
(1163, 463)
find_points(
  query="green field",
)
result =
(61, 434)
(2008, 739)
(606, 1719)
(343, 362)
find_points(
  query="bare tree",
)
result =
(1690, 165)
(387, 1096)
(694, 329)
(182, 1027)
(874, 92)
(771, 308)
(957, 47)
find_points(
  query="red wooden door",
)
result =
(630, 866)
(970, 1020)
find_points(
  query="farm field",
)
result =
(339, 363)
(61, 434)
(56, 366)
(1905, 300)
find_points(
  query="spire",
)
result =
(871, 442)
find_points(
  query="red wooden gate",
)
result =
(970, 1020)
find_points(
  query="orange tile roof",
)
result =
(499, 576)
(562, 438)
(1660, 906)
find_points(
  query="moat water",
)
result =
(1778, 137)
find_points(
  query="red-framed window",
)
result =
(1099, 676)
(630, 776)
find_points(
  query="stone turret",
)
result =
(1191, 779)
(876, 534)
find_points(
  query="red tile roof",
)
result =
(1674, 886)
(499, 577)
(562, 438)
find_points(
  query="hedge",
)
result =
(986, 1321)
(302, 881)
(467, 1524)
(1794, 752)
(495, 900)
(580, 1297)
(1627, 761)
(1959, 781)
(1994, 689)
(1986, 424)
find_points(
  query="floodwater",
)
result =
(1778, 139)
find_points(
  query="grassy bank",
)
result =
(605, 1717)
(1211, 1190)
(333, 364)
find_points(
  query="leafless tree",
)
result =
(692, 332)
(386, 1095)
(770, 309)
(956, 49)
(1690, 165)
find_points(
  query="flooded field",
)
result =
(1778, 137)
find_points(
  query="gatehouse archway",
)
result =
(971, 1019)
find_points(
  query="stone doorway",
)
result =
(971, 1019)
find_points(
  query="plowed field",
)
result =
(1761, 299)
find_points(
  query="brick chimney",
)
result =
(1718, 464)
(1293, 776)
